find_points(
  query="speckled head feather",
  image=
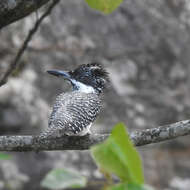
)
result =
(92, 74)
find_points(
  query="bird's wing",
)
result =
(75, 113)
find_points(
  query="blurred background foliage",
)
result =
(116, 155)
(145, 47)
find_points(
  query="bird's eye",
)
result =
(87, 71)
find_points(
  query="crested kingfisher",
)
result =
(75, 111)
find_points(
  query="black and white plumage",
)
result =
(75, 111)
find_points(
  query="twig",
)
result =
(139, 138)
(15, 62)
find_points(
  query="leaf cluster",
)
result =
(116, 156)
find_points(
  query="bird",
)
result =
(74, 111)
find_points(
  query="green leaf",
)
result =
(60, 178)
(117, 155)
(4, 156)
(105, 6)
(125, 186)
(121, 186)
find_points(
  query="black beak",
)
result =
(58, 73)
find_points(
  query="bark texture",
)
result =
(148, 136)
(13, 10)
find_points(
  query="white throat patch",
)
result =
(83, 87)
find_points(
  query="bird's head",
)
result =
(90, 77)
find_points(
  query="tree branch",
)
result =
(20, 52)
(139, 138)
(11, 11)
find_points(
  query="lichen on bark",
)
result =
(13, 10)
